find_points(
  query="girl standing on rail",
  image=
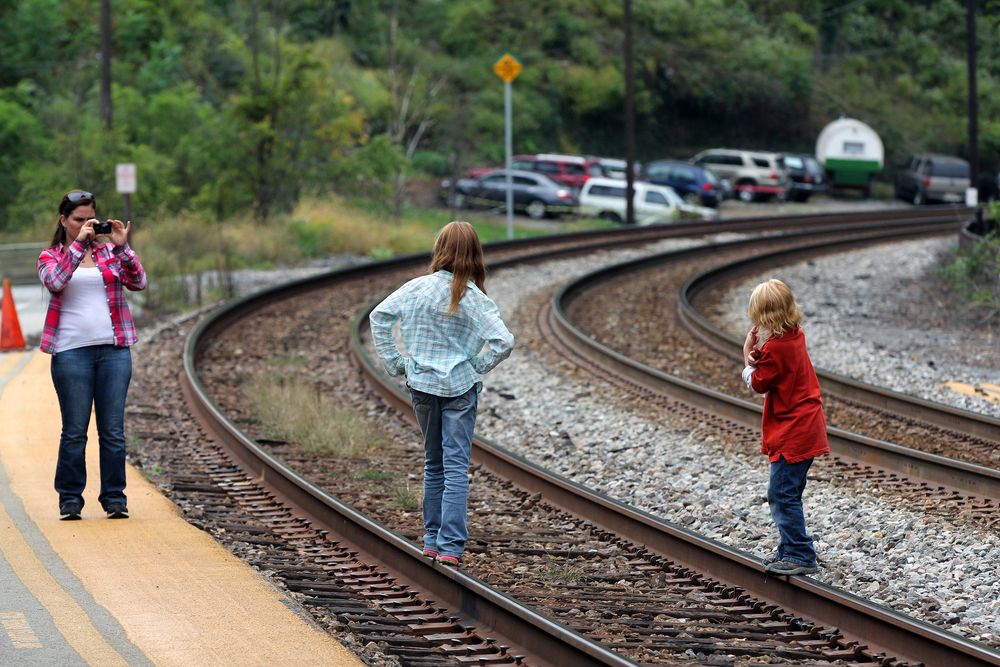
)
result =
(794, 428)
(88, 331)
(445, 319)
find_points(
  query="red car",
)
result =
(570, 170)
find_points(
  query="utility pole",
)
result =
(630, 121)
(970, 20)
(106, 110)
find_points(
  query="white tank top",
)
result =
(85, 317)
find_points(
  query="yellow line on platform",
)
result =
(180, 597)
(69, 618)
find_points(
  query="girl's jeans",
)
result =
(96, 376)
(784, 496)
(447, 425)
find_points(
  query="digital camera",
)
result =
(103, 227)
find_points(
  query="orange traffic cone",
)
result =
(10, 328)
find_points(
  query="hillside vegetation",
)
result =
(251, 107)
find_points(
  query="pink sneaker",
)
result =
(452, 561)
(430, 553)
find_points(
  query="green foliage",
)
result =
(231, 106)
(974, 275)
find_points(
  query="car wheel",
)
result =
(611, 216)
(536, 209)
(746, 195)
(692, 198)
(457, 200)
(918, 197)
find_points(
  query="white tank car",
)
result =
(851, 152)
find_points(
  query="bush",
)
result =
(974, 276)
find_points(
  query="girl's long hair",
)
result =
(457, 249)
(772, 307)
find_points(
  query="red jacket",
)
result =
(793, 424)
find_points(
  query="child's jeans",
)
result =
(784, 496)
(447, 424)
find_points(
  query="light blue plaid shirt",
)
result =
(444, 350)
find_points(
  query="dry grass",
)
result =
(329, 226)
(406, 499)
(291, 409)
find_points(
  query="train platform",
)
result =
(150, 590)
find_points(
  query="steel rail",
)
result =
(486, 606)
(882, 629)
(961, 476)
(943, 416)
(895, 633)
(517, 625)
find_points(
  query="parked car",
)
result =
(570, 170)
(806, 177)
(688, 211)
(929, 177)
(617, 168)
(605, 198)
(535, 194)
(755, 175)
(693, 183)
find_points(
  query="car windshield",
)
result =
(793, 162)
(672, 197)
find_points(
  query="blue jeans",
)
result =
(96, 376)
(447, 425)
(784, 496)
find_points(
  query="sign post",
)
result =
(125, 184)
(507, 68)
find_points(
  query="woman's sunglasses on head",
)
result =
(74, 197)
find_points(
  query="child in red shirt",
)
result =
(794, 428)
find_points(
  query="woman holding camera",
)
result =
(88, 331)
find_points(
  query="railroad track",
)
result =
(978, 485)
(980, 432)
(313, 515)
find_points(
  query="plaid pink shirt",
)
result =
(120, 267)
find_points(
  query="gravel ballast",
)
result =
(934, 567)
(874, 315)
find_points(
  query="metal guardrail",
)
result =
(18, 261)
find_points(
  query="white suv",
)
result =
(605, 198)
(754, 175)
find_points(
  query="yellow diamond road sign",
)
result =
(507, 68)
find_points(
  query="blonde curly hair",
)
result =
(773, 308)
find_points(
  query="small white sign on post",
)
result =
(971, 197)
(125, 178)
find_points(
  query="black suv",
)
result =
(807, 176)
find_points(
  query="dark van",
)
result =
(693, 183)
(929, 177)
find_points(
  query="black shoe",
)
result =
(117, 511)
(70, 510)
(788, 568)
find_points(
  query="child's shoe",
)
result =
(430, 553)
(785, 567)
(451, 561)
